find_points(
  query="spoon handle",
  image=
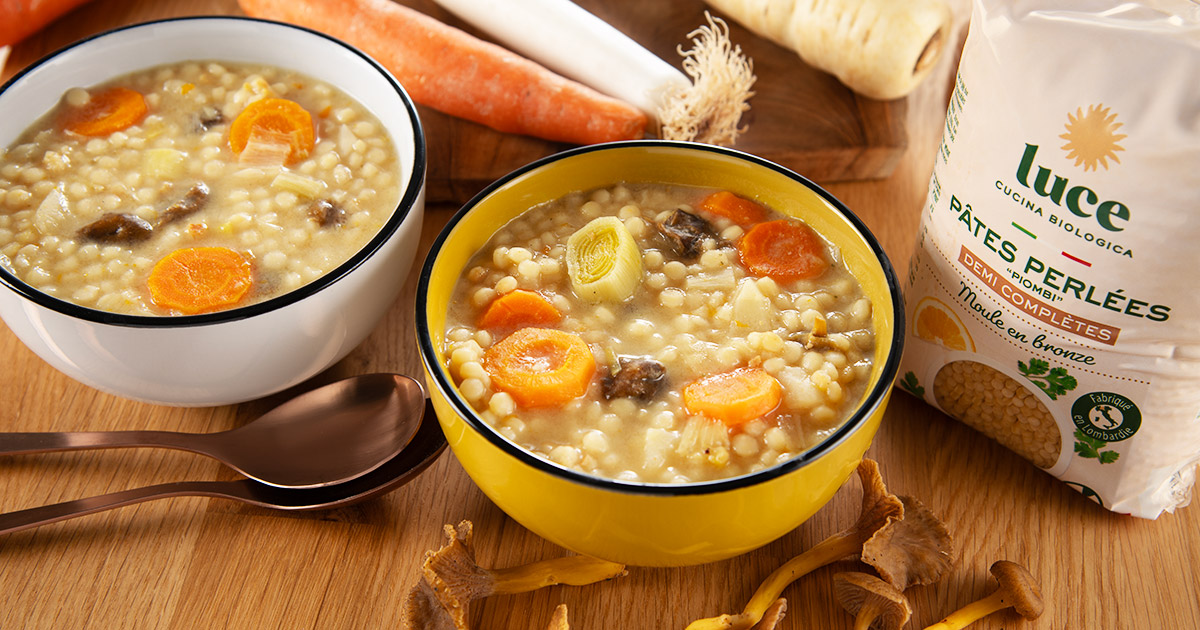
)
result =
(19, 443)
(45, 514)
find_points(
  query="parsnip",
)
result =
(879, 48)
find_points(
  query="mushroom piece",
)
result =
(636, 377)
(208, 117)
(772, 616)
(1018, 589)
(326, 213)
(914, 550)
(423, 611)
(685, 232)
(558, 620)
(113, 227)
(191, 202)
(452, 580)
(879, 507)
(875, 604)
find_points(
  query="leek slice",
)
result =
(164, 163)
(603, 261)
(300, 185)
(751, 309)
(52, 212)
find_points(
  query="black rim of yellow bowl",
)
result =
(870, 404)
(402, 211)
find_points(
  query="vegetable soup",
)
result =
(193, 187)
(660, 333)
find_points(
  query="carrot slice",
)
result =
(106, 112)
(274, 121)
(734, 397)
(518, 309)
(783, 250)
(541, 367)
(737, 209)
(461, 75)
(200, 279)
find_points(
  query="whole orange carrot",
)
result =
(456, 73)
(21, 18)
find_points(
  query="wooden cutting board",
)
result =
(800, 117)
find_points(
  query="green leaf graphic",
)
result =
(1036, 366)
(1054, 381)
(909, 383)
(1089, 447)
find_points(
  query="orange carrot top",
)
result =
(459, 74)
(518, 309)
(784, 250)
(200, 279)
(734, 398)
(740, 210)
(541, 367)
(274, 121)
(106, 112)
(21, 18)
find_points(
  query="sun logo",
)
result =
(1092, 137)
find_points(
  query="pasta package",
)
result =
(1052, 297)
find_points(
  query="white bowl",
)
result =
(243, 353)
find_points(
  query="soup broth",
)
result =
(732, 338)
(193, 187)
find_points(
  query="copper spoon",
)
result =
(329, 435)
(424, 448)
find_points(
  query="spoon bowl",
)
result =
(329, 435)
(424, 448)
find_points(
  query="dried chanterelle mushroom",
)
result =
(1018, 589)
(558, 621)
(875, 604)
(914, 550)
(879, 507)
(452, 580)
(772, 616)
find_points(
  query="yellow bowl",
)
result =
(648, 524)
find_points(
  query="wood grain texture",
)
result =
(800, 117)
(206, 563)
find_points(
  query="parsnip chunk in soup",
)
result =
(660, 333)
(193, 187)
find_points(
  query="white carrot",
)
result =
(879, 48)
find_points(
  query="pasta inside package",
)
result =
(1054, 294)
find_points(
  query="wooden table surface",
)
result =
(208, 563)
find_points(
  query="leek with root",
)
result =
(703, 103)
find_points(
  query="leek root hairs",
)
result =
(711, 109)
